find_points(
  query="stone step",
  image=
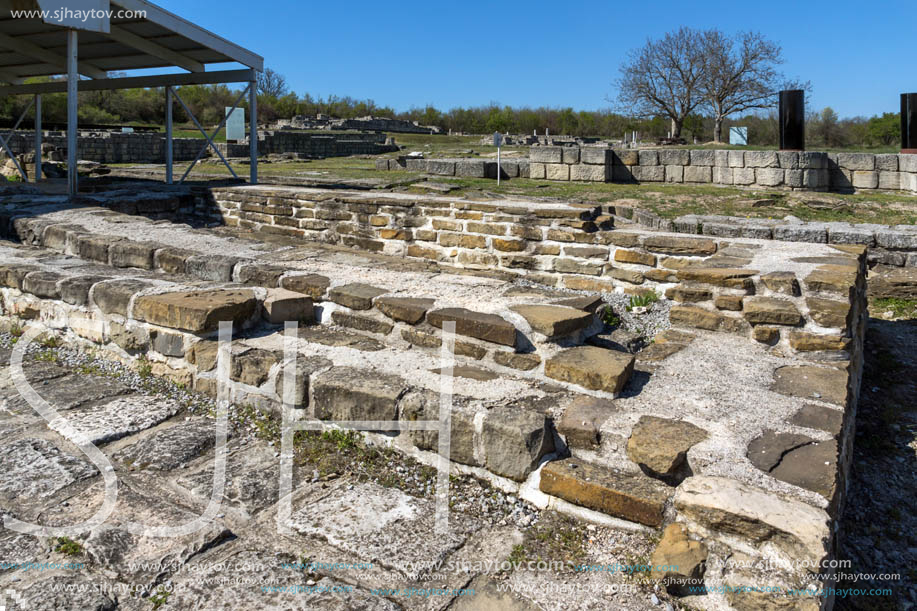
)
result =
(633, 497)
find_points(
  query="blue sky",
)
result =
(535, 53)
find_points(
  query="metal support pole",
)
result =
(37, 137)
(168, 135)
(253, 130)
(72, 77)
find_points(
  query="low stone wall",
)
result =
(793, 170)
(312, 145)
(467, 168)
(561, 246)
(118, 147)
(112, 147)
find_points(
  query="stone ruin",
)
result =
(729, 422)
(368, 124)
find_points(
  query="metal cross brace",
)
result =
(4, 142)
(209, 137)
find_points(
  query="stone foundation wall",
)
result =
(792, 170)
(467, 168)
(117, 147)
(573, 248)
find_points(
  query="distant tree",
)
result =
(884, 130)
(826, 128)
(664, 78)
(271, 84)
(739, 74)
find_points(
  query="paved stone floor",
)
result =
(363, 533)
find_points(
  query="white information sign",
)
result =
(738, 136)
(235, 124)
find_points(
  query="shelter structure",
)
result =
(86, 40)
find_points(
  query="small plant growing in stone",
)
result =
(641, 303)
(144, 368)
(160, 598)
(610, 318)
(66, 546)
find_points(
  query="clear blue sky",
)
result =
(409, 53)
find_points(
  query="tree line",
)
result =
(275, 101)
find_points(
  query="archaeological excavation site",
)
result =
(314, 367)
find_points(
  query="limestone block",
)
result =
(557, 171)
(546, 154)
(675, 173)
(856, 161)
(703, 158)
(698, 173)
(761, 159)
(674, 157)
(865, 179)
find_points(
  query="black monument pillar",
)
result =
(909, 123)
(793, 120)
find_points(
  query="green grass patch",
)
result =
(900, 308)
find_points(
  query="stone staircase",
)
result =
(681, 430)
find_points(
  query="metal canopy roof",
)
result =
(31, 47)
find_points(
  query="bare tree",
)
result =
(663, 78)
(740, 74)
(271, 83)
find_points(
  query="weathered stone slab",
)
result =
(127, 253)
(660, 445)
(42, 284)
(362, 323)
(809, 342)
(582, 421)
(313, 285)
(12, 274)
(828, 312)
(819, 417)
(404, 309)
(487, 327)
(216, 268)
(810, 382)
(114, 296)
(693, 316)
(171, 448)
(812, 466)
(723, 504)
(195, 311)
(781, 282)
(520, 361)
(120, 418)
(683, 558)
(832, 279)
(36, 468)
(631, 497)
(591, 367)
(95, 247)
(346, 393)
(514, 441)
(75, 289)
(281, 306)
(259, 274)
(372, 522)
(718, 276)
(355, 296)
(554, 321)
(173, 260)
(770, 310)
(252, 367)
(767, 449)
(672, 245)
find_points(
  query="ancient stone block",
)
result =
(75, 289)
(552, 320)
(810, 382)
(282, 305)
(546, 154)
(522, 362)
(634, 256)
(42, 284)
(770, 310)
(582, 421)
(487, 327)
(514, 440)
(356, 296)
(216, 268)
(660, 445)
(688, 294)
(114, 296)
(312, 285)
(172, 260)
(672, 245)
(195, 311)
(336, 395)
(591, 367)
(781, 282)
(127, 253)
(405, 309)
(557, 171)
(733, 507)
(631, 497)
(698, 173)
